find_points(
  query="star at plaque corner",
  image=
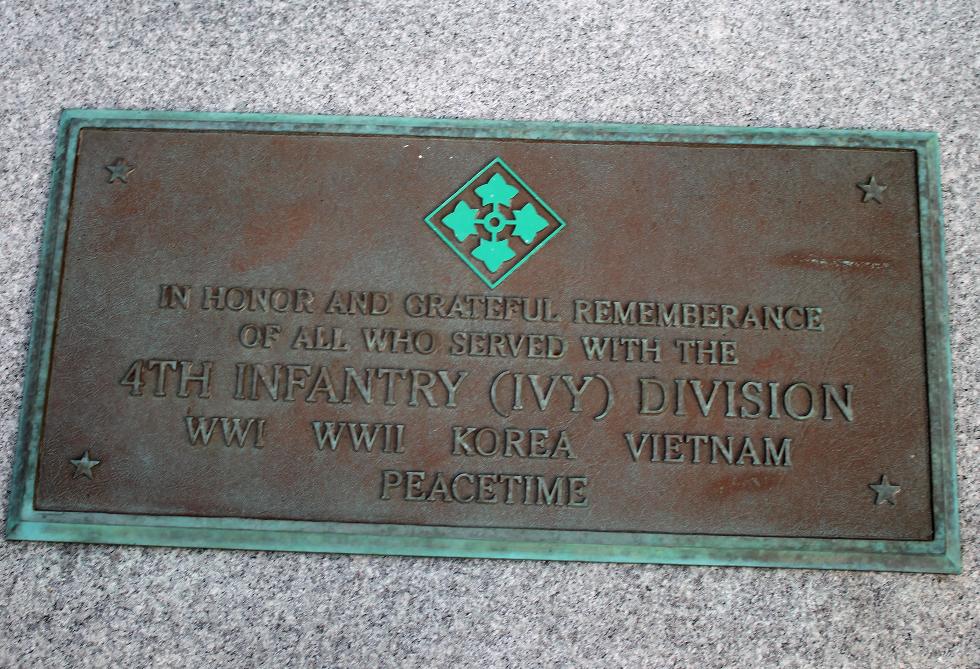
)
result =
(885, 491)
(120, 170)
(84, 465)
(872, 190)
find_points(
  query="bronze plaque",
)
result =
(476, 338)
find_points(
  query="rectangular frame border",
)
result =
(939, 555)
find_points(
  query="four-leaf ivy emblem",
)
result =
(495, 218)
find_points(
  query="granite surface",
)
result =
(885, 65)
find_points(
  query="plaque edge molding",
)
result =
(939, 555)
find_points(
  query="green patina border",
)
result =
(941, 554)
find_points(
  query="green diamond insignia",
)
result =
(495, 222)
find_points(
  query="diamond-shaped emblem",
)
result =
(495, 222)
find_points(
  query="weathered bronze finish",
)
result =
(510, 337)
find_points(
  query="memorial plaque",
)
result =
(492, 339)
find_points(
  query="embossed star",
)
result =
(120, 170)
(83, 466)
(885, 491)
(872, 190)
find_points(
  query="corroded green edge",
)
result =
(941, 554)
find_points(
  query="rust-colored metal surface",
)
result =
(677, 338)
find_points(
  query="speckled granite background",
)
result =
(886, 65)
